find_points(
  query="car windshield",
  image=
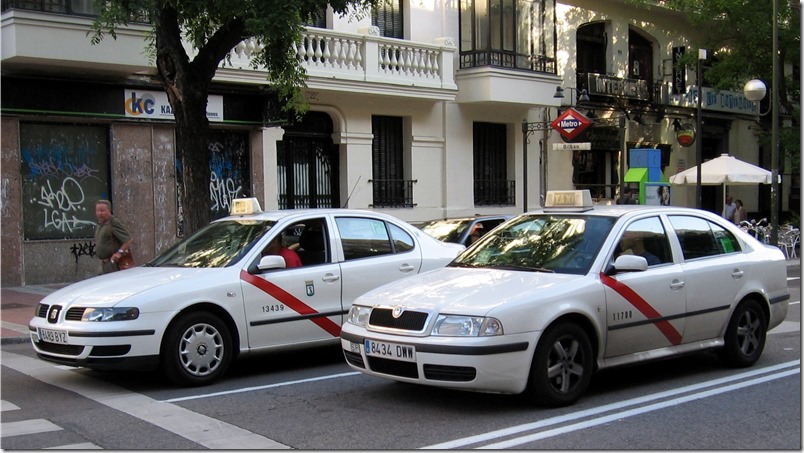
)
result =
(219, 244)
(446, 230)
(541, 242)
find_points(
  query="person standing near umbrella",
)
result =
(739, 213)
(728, 209)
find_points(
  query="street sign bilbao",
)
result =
(571, 123)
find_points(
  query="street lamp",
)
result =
(583, 95)
(755, 90)
(699, 131)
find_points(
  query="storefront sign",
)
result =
(679, 71)
(155, 105)
(602, 85)
(715, 100)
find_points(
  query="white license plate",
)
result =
(54, 336)
(394, 351)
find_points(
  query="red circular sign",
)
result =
(685, 135)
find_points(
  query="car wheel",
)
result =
(562, 366)
(196, 349)
(745, 335)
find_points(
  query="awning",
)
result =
(636, 175)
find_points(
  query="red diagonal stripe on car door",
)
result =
(292, 302)
(643, 306)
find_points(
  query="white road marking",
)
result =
(7, 406)
(84, 446)
(35, 426)
(261, 387)
(640, 410)
(460, 443)
(201, 429)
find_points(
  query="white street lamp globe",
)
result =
(755, 90)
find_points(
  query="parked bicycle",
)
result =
(760, 229)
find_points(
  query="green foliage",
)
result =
(275, 24)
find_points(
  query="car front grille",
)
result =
(63, 349)
(394, 367)
(449, 373)
(408, 320)
(73, 314)
(354, 359)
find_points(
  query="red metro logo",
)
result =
(571, 123)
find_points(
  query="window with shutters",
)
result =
(387, 16)
(490, 158)
(518, 34)
(390, 188)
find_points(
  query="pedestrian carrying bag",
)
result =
(126, 261)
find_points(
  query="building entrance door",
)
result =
(307, 164)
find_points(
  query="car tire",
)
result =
(196, 349)
(562, 366)
(745, 335)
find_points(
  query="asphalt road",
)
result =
(311, 400)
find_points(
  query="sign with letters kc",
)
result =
(571, 123)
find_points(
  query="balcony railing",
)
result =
(69, 7)
(393, 193)
(364, 57)
(493, 192)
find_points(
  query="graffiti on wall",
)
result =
(83, 249)
(229, 174)
(64, 171)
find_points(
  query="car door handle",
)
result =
(406, 268)
(736, 274)
(329, 278)
(676, 284)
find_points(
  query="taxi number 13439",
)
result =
(390, 350)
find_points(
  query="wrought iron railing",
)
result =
(538, 63)
(393, 193)
(494, 192)
(69, 7)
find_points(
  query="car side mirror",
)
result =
(629, 263)
(268, 262)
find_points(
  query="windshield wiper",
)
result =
(510, 267)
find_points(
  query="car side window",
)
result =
(646, 238)
(701, 238)
(403, 242)
(363, 237)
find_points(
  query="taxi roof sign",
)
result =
(568, 200)
(245, 206)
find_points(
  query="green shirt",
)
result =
(109, 236)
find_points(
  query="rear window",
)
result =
(701, 238)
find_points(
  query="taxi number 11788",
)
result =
(394, 351)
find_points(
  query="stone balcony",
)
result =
(362, 62)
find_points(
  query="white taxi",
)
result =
(549, 297)
(218, 293)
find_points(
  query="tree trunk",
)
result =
(187, 86)
(187, 91)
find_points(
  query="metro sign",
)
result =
(571, 123)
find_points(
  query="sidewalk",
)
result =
(17, 306)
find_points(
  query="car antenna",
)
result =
(350, 193)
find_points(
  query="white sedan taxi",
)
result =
(220, 293)
(549, 297)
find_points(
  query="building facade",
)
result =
(421, 109)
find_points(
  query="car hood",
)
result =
(469, 291)
(109, 289)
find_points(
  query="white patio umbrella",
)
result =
(726, 170)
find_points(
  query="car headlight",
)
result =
(110, 314)
(466, 326)
(359, 315)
